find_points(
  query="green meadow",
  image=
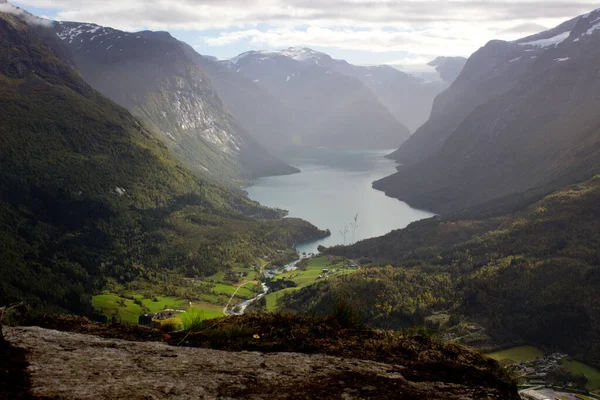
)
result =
(517, 354)
(303, 278)
(592, 374)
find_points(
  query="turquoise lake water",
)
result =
(332, 188)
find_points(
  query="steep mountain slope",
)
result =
(88, 194)
(322, 106)
(533, 123)
(448, 68)
(408, 98)
(252, 105)
(532, 275)
(150, 74)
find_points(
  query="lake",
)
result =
(333, 187)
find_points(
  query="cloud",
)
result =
(23, 15)
(418, 28)
(210, 14)
(525, 29)
(431, 41)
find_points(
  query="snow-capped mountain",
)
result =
(522, 116)
(407, 97)
(317, 105)
(151, 74)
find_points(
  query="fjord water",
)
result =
(332, 188)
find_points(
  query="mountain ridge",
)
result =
(150, 74)
(321, 106)
(407, 97)
(519, 117)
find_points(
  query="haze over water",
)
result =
(331, 189)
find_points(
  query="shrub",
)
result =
(346, 315)
(169, 326)
(193, 320)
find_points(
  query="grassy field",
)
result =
(110, 304)
(518, 354)
(579, 396)
(163, 303)
(592, 374)
(311, 274)
(205, 311)
(272, 298)
(304, 278)
(245, 292)
(212, 303)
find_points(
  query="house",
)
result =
(146, 319)
(167, 314)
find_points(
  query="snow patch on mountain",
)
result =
(294, 53)
(596, 25)
(74, 32)
(299, 54)
(553, 41)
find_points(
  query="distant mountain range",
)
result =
(220, 116)
(301, 97)
(318, 106)
(521, 118)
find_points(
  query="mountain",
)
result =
(89, 195)
(153, 75)
(407, 97)
(448, 68)
(318, 106)
(520, 117)
(530, 276)
(256, 109)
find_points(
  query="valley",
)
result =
(438, 230)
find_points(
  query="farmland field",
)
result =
(518, 354)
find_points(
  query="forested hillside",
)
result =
(533, 275)
(88, 194)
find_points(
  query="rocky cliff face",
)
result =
(150, 74)
(76, 366)
(521, 115)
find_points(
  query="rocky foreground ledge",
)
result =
(70, 365)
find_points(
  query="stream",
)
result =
(269, 274)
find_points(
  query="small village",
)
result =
(545, 378)
(154, 320)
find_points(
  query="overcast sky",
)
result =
(400, 32)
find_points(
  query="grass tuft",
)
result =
(193, 320)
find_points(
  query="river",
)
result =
(333, 187)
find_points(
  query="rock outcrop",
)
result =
(75, 366)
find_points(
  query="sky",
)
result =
(405, 33)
